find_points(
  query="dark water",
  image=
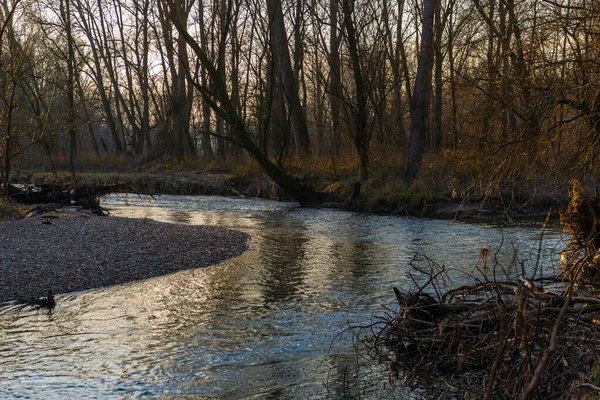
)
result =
(269, 324)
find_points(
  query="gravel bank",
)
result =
(78, 251)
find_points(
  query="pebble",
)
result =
(79, 251)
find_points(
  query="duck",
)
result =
(44, 302)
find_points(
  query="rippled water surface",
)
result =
(269, 324)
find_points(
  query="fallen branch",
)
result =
(483, 337)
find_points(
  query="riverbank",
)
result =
(69, 250)
(374, 197)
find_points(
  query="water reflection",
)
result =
(282, 253)
(284, 279)
(263, 325)
(182, 217)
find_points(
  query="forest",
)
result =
(479, 99)
(365, 104)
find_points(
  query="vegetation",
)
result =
(499, 337)
(378, 105)
(511, 333)
(9, 210)
(487, 99)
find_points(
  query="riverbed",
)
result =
(276, 322)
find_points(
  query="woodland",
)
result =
(478, 99)
(390, 101)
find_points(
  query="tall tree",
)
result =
(87, 13)
(361, 134)
(16, 69)
(335, 90)
(179, 65)
(393, 46)
(206, 112)
(220, 101)
(223, 14)
(65, 14)
(419, 107)
(287, 76)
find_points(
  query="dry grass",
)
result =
(10, 210)
(507, 177)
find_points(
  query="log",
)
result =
(85, 196)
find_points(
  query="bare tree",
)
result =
(287, 76)
(419, 107)
(16, 66)
(65, 14)
(181, 91)
(335, 91)
(86, 13)
(362, 135)
(220, 101)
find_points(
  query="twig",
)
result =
(589, 385)
(549, 351)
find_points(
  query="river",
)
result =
(273, 323)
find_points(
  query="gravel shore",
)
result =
(72, 251)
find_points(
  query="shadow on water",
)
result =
(282, 253)
(266, 324)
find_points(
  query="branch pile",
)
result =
(508, 338)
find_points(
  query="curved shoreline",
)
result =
(478, 209)
(72, 251)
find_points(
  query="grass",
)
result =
(471, 176)
(9, 210)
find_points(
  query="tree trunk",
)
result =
(145, 125)
(10, 105)
(235, 81)
(419, 107)
(177, 58)
(335, 90)
(130, 104)
(87, 116)
(181, 121)
(221, 103)
(361, 135)
(65, 10)
(223, 15)
(487, 130)
(288, 79)
(99, 72)
(452, 81)
(394, 56)
(436, 137)
(206, 113)
(400, 49)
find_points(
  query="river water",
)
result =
(274, 323)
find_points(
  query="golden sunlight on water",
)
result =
(268, 323)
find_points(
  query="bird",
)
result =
(44, 302)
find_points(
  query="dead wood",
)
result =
(484, 340)
(509, 339)
(84, 196)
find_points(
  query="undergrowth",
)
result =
(508, 179)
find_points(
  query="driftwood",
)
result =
(48, 302)
(85, 196)
(489, 340)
